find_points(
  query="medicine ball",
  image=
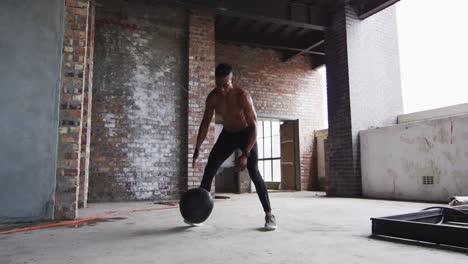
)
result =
(196, 205)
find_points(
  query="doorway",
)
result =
(278, 153)
(290, 179)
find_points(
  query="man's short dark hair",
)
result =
(223, 70)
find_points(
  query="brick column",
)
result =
(341, 160)
(201, 82)
(363, 79)
(71, 105)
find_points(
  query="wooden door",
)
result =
(288, 156)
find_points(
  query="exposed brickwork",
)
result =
(363, 89)
(244, 181)
(71, 105)
(201, 82)
(374, 75)
(290, 89)
(341, 179)
(139, 117)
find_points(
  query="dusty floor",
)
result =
(312, 229)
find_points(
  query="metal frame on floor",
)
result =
(439, 225)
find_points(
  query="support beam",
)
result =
(233, 21)
(280, 30)
(308, 50)
(248, 25)
(366, 8)
(266, 40)
(296, 33)
(295, 50)
(266, 27)
(218, 20)
(274, 20)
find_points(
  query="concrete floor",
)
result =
(312, 229)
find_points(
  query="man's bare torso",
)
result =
(230, 106)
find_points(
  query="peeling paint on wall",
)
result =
(424, 161)
(139, 141)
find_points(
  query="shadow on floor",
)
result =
(159, 232)
(420, 244)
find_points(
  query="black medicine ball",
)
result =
(196, 205)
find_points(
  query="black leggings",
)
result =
(224, 147)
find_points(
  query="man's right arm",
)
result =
(205, 124)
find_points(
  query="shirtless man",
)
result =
(236, 108)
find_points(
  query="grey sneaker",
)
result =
(192, 224)
(270, 222)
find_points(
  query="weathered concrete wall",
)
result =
(139, 118)
(30, 51)
(434, 113)
(399, 162)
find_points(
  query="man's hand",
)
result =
(195, 156)
(242, 162)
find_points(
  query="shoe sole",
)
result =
(270, 228)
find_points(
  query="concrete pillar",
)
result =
(30, 80)
(364, 89)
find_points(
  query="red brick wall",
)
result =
(289, 89)
(71, 105)
(201, 82)
(139, 111)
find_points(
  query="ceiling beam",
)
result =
(248, 26)
(366, 8)
(257, 45)
(296, 33)
(259, 10)
(233, 21)
(236, 35)
(304, 51)
(274, 20)
(280, 30)
(265, 28)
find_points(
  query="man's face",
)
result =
(224, 82)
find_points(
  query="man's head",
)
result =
(223, 75)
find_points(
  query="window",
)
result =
(269, 150)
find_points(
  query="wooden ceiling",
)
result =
(293, 27)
